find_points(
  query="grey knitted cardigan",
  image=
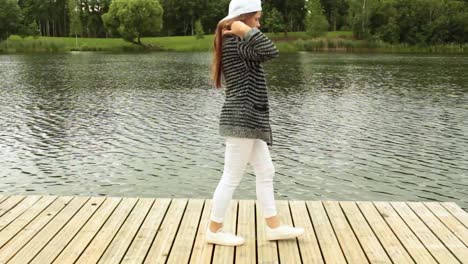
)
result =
(245, 112)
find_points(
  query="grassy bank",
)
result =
(295, 41)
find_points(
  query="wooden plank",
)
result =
(103, 238)
(79, 243)
(384, 233)
(327, 240)
(185, 238)
(68, 229)
(456, 211)
(14, 209)
(288, 248)
(225, 254)
(202, 251)
(142, 242)
(47, 233)
(450, 241)
(369, 242)
(267, 251)
(61, 240)
(308, 244)
(12, 229)
(350, 245)
(29, 231)
(119, 245)
(417, 250)
(449, 220)
(11, 202)
(161, 246)
(3, 198)
(432, 243)
(246, 228)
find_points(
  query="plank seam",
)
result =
(157, 233)
(397, 237)
(198, 227)
(97, 232)
(120, 227)
(4, 201)
(354, 232)
(315, 232)
(442, 242)
(334, 232)
(138, 230)
(438, 218)
(297, 240)
(45, 208)
(278, 252)
(84, 224)
(177, 231)
(6, 197)
(38, 231)
(417, 237)
(256, 231)
(237, 225)
(52, 238)
(454, 216)
(375, 234)
(13, 220)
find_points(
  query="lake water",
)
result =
(345, 126)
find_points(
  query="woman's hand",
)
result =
(238, 28)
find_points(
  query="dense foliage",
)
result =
(422, 22)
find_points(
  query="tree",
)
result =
(91, 16)
(132, 19)
(180, 16)
(272, 19)
(359, 14)
(316, 22)
(199, 29)
(10, 16)
(75, 22)
(335, 11)
(28, 30)
(215, 11)
(459, 27)
(292, 13)
(391, 32)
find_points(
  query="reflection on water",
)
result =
(346, 126)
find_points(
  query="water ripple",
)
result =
(346, 126)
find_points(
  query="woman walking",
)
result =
(239, 49)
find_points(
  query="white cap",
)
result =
(239, 7)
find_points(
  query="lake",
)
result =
(345, 126)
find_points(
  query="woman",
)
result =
(239, 50)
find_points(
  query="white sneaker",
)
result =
(221, 237)
(283, 232)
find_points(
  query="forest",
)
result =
(427, 22)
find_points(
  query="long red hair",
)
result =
(216, 64)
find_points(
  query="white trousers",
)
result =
(239, 152)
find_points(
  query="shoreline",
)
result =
(334, 42)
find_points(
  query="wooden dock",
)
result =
(79, 229)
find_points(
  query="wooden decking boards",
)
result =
(81, 229)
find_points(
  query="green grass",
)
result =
(54, 44)
(336, 41)
(182, 43)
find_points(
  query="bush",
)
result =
(199, 29)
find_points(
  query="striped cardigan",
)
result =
(245, 112)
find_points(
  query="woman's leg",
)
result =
(238, 152)
(264, 171)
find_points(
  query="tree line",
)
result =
(393, 21)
